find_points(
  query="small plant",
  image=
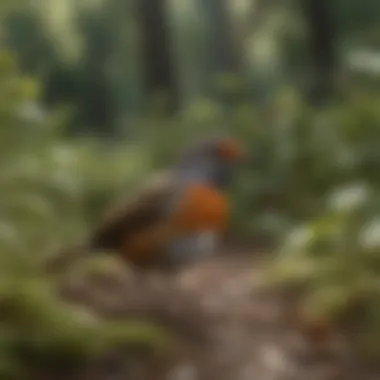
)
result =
(49, 188)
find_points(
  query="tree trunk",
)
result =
(222, 49)
(157, 59)
(321, 40)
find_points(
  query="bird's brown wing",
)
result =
(138, 226)
(134, 227)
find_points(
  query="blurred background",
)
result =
(97, 94)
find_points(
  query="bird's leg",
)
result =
(207, 243)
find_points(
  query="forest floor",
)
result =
(229, 326)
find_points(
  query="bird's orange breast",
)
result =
(201, 208)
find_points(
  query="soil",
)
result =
(229, 325)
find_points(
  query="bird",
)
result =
(179, 216)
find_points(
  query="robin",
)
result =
(178, 217)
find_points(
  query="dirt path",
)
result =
(231, 327)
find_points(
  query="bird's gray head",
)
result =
(210, 161)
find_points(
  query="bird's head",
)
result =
(210, 161)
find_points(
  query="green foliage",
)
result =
(333, 178)
(50, 190)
